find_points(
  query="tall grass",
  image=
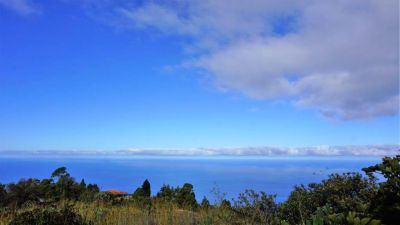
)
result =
(131, 213)
(159, 213)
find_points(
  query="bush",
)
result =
(343, 192)
(386, 203)
(49, 216)
(259, 207)
(185, 197)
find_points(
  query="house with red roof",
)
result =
(117, 193)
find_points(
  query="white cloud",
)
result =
(22, 7)
(323, 150)
(159, 17)
(341, 57)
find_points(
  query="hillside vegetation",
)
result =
(349, 198)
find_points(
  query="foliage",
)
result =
(104, 197)
(146, 188)
(299, 206)
(386, 203)
(260, 208)
(60, 172)
(205, 204)
(49, 216)
(343, 192)
(142, 195)
(23, 191)
(166, 193)
(89, 192)
(184, 197)
(3, 195)
(225, 204)
(144, 191)
(325, 215)
(45, 191)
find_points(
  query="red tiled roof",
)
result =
(116, 192)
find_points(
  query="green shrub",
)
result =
(386, 203)
(48, 216)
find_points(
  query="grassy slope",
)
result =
(132, 214)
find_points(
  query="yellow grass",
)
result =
(133, 214)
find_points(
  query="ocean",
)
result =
(230, 175)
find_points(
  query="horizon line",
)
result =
(317, 150)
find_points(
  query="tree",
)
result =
(23, 191)
(342, 192)
(47, 189)
(89, 193)
(345, 192)
(386, 203)
(142, 195)
(185, 196)
(167, 193)
(93, 188)
(146, 188)
(144, 191)
(259, 207)
(83, 184)
(205, 204)
(226, 204)
(299, 206)
(66, 186)
(3, 195)
(60, 172)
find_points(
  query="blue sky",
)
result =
(122, 74)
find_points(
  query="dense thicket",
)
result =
(60, 186)
(183, 196)
(349, 198)
(385, 203)
(49, 216)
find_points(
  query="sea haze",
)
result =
(231, 175)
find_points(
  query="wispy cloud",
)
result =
(323, 150)
(22, 7)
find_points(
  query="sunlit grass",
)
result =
(130, 213)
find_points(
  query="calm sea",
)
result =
(231, 175)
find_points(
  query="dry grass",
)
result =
(133, 214)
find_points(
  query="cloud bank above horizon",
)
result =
(322, 150)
